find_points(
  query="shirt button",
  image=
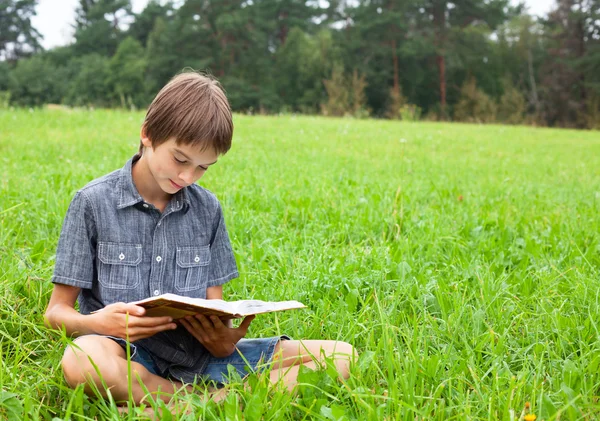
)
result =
(121, 256)
(156, 292)
(158, 258)
(196, 259)
(145, 205)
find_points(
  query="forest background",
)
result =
(463, 60)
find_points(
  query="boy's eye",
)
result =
(179, 161)
(203, 168)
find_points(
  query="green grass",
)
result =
(460, 260)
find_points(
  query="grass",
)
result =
(460, 260)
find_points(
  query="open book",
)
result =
(178, 306)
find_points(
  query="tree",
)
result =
(90, 84)
(564, 94)
(162, 60)
(35, 81)
(447, 18)
(301, 87)
(474, 106)
(338, 99)
(522, 52)
(380, 41)
(126, 75)
(100, 25)
(145, 21)
(18, 38)
(512, 105)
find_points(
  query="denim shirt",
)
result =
(117, 248)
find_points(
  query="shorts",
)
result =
(251, 355)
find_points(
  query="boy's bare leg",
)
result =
(111, 360)
(290, 355)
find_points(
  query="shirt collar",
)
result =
(129, 195)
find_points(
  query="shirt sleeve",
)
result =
(222, 266)
(76, 251)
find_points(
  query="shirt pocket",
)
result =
(191, 270)
(119, 265)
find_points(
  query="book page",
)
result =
(257, 306)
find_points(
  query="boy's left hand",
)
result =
(218, 338)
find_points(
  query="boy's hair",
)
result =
(193, 109)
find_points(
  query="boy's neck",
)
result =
(147, 186)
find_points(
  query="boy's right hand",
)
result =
(123, 320)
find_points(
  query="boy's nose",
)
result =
(187, 176)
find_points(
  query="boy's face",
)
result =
(176, 166)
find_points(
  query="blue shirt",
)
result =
(117, 248)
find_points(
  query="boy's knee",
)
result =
(75, 362)
(344, 354)
(74, 365)
(350, 351)
(342, 350)
(84, 360)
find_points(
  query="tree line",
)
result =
(462, 60)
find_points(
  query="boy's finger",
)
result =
(194, 324)
(146, 332)
(246, 322)
(132, 309)
(196, 331)
(150, 321)
(217, 323)
(206, 324)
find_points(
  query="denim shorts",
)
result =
(251, 355)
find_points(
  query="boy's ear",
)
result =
(144, 139)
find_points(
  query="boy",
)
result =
(148, 229)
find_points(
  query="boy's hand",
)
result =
(216, 337)
(121, 319)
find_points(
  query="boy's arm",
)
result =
(61, 311)
(119, 319)
(216, 293)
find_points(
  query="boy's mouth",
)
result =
(177, 186)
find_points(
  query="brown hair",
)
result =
(193, 109)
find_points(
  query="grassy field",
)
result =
(460, 260)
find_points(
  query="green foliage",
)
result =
(398, 109)
(274, 55)
(145, 22)
(126, 73)
(5, 70)
(98, 24)
(35, 81)
(345, 94)
(301, 87)
(18, 38)
(4, 99)
(512, 105)
(161, 58)
(410, 112)
(395, 104)
(358, 104)
(338, 98)
(474, 105)
(592, 113)
(91, 81)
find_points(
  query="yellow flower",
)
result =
(529, 417)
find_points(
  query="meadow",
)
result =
(460, 260)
